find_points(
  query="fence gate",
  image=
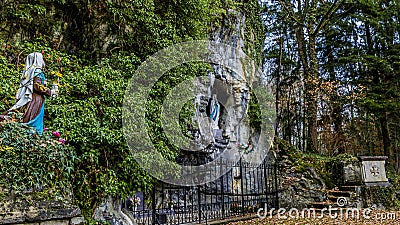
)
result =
(240, 192)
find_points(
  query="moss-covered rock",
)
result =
(307, 177)
(329, 169)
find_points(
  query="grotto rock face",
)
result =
(220, 121)
(221, 104)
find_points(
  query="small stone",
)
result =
(77, 221)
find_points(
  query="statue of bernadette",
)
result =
(32, 91)
(34, 112)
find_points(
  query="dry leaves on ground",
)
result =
(375, 217)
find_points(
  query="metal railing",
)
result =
(240, 192)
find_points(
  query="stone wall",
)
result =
(300, 190)
(33, 208)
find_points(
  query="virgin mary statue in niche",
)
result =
(32, 91)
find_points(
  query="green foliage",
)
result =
(105, 27)
(254, 31)
(88, 115)
(29, 161)
(378, 195)
(156, 97)
(394, 180)
(88, 111)
(254, 113)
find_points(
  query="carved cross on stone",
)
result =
(375, 171)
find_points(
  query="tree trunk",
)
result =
(387, 151)
(336, 114)
(311, 97)
(278, 89)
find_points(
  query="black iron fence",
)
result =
(240, 192)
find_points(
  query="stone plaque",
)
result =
(373, 170)
(352, 174)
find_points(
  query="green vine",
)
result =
(33, 162)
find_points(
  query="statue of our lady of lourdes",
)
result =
(31, 93)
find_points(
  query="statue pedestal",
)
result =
(373, 170)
